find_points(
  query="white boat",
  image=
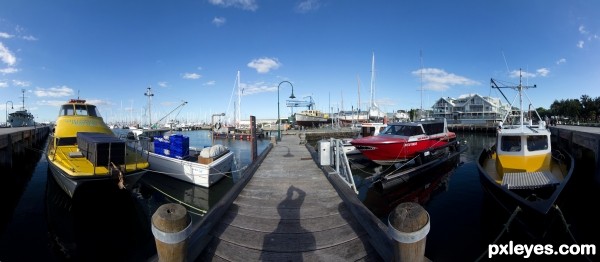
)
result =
(170, 154)
(21, 117)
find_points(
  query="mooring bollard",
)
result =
(409, 226)
(171, 227)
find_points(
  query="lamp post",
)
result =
(6, 107)
(278, 118)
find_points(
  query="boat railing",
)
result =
(342, 166)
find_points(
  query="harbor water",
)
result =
(39, 222)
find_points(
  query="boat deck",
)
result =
(289, 211)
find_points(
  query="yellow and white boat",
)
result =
(82, 149)
(522, 171)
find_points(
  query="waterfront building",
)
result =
(470, 109)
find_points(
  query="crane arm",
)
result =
(163, 118)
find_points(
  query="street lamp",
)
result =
(278, 118)
(6, 107)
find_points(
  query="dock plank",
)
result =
(289, 211)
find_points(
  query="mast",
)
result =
(23, 98)
(421, 57)
(372, 79)
(238, 112)
(149, 95)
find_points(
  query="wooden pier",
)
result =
(14, 141)
(289, 209)
(577, 140)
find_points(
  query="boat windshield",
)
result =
(510, 143)
(403, 130)
(80, 110)
(537, 143)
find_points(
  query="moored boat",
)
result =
(522, 171)
(311, 118)
(170, 154)
(82, 149)
(21, 117)
(405, 141)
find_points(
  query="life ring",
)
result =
(217, 126)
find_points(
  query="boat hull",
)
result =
(535, 206)
(389, 150)
(70, 184)
(445, 161)
(189, 171)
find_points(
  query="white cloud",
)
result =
(6, 56)
(243, 4)
(21, 83)
(580, 44)
(3, 83)
(5, 35)
(439, 80)
(543, 71)
(308, 5)
(219, 21)
(264, 65)
(561, 61)
(191, 76)
(54, 92)
(210, 83)
(30, 38)
(256, 88)
(162, 84)
(582, 30)
(8, 70)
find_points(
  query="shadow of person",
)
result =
(289, 240)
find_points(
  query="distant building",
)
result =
(470, 109)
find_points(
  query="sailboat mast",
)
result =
(421, 57)
(239, 109)
(372, 78)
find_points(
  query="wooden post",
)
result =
(171, 227)
(409, 226)
(253, 138)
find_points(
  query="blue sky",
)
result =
(108, 52)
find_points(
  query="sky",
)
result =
(109, 52)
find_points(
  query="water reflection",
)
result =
(420, 189)
(101, 222)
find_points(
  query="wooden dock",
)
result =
(14, 141)
(289, 209)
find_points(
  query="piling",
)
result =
(171, 227)
(408, 227)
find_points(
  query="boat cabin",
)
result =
(78, 107)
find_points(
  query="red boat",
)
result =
(405, 141)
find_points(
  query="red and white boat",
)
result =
(405, 141)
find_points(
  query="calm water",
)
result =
(39, 222)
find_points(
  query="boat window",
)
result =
(81, 110)
(511, 143)
(536, 143)
(434, 128)
(66, 141)
(402, 130)
(93, 111)
(67, 110)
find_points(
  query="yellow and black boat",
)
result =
(82, 149)
(522, 171)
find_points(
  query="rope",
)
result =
(567, 228)
(504, 230)
(181, 202)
